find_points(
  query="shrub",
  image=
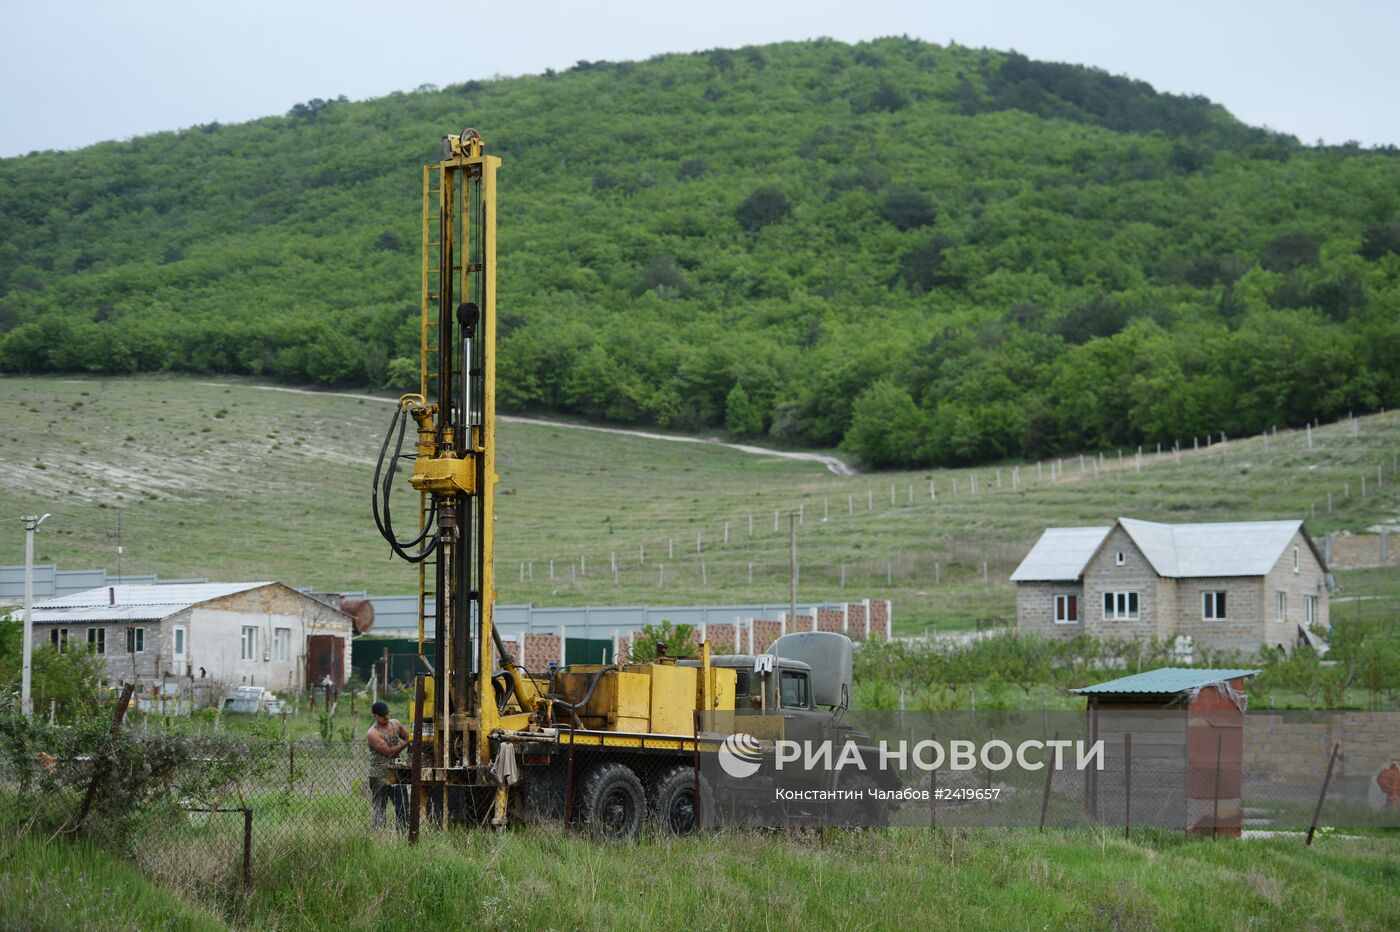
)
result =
(764, 207)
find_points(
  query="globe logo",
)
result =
(739, 755)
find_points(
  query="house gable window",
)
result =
(1120, 606)
(1296, 565)
(1213, 606)
(1066, 609)
(1120, 558)
(97, 640)
(249, 643)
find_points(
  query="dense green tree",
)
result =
(741, 415)
(764, 206)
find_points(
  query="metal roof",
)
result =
(1164, 680)
(1235, 548)
(134, 603)
(1229, 548)
(1060, 555)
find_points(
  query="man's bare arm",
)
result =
(378, 745)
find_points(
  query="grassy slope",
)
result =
(895, 879)
(278, 487)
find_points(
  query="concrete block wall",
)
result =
(1282, 748)
(830, 619)
(881, 612)
(1103, 574)
(722, 638)
(855, 618)
(540, 651)
(765, 632)
(1035, 609)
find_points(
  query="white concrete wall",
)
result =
(216, 639)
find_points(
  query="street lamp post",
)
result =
(31, 524)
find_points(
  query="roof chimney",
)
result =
(111, 595)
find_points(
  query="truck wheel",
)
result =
(673, 802)
(612, 802)
(861, 813)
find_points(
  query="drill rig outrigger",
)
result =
(486, 724)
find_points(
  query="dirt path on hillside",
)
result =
(833, 465)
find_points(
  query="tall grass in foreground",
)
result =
(339, 877)
(66, 885)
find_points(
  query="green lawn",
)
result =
(237, 482)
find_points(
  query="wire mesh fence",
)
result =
(214, 812)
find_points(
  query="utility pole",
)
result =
(792, 569)
(31, 524)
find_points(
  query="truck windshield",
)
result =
(794, 689)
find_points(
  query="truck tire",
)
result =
(861, 813)
(612, 803)
(673, 802)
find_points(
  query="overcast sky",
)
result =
(81, 71)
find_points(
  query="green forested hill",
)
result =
(927, 254)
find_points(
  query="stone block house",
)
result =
(220, 635)
(1237, 585)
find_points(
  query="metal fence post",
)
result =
(415, 801)
(247, 848)
(1127, 785)
(1317, 813)
(1215, 803)
(1045, 798)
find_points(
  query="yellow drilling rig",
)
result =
(488, 729)
(610, 746)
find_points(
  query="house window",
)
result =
(281, 639)
(135, 640)
(1120, 558)
(250, 642)
(1281, 606)
(177, 650)
(58, 637)
(1120, 606)
(97, 640)
(1296, 566)
(1213, 606)
(1310, 609)
(1066, 609)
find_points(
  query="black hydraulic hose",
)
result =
(384, 521)
(571, 706)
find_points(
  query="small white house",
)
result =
(224, 635)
